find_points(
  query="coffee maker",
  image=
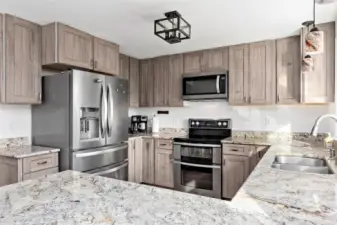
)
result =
(135, 120)
(142, 126)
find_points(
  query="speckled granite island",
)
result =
(269, 196)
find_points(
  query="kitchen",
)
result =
(101, 129)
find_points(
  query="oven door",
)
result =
(197, 170)
(118, 171)
(205, 87)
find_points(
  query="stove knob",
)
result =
(197, 123)
(219, 124)
(224, 124)
(192, 123)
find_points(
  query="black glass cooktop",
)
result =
(214, 141)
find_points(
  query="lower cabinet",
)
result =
(164, 168)
(148, 163)
(15, 170)
(235, 170)
(135, 160)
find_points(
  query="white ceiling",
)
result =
(214, 22)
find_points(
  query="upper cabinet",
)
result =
(210, 60)
(134, 82)
(238, 74)
(161, 74)
(319, 86)
(106, 56)
(21, 56)
(64, 46)
(146, 84)
(124, 66)
(288, 70)
(262, 73)
(176, 67)
(252, 73)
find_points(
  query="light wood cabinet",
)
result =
(124, 66)
(238, 74)
(262, 73)
(176, 67)
(193, 62)
(148, 158)
(21, 82)
(64, 46)
(135, 160)
(134, 82)
(319, 86)
(288, 70)
(235, 170)
(164, 168)
(16, 170)
(161, 78)
(106, 56)
(252, 77)
(216, 59)
(146, 87)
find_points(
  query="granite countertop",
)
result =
(26, 151)
(269, 196)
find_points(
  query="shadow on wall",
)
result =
(299, 118)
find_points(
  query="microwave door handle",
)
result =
(218, 84)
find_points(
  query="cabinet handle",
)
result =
(96, 64)
(278, 98)
(92, 64)
(42, 163)
(234, 150)
(171, 156)
(249, 99)
(40, 96)
(147, 146)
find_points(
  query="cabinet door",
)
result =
(75, 47)
(160, 74)
(106, 56)
(262, 73)
(164, 168)
(192, 62)
(22, 82)
(146, 83)
(148, 161)
(131, 156)
(235, 170)
(319, 86)
(135, 160)
(288, 70)
(134, 82)
(124, 66)
(238, 74)
(175, 96)
(215, 60)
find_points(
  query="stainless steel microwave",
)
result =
(210, 86)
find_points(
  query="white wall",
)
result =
(15, 121)
(298, 118)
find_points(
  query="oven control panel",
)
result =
(207, 123)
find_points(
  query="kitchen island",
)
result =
(269, 196)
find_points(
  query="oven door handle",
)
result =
(197, 165)
(197, 145)
(111, 170)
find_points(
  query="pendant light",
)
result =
(314, 40)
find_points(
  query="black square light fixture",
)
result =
(172, 29)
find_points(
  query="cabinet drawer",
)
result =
(236, 150)
(164, 144)
(41, 173)
(40, 162)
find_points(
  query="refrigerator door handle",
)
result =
(110, 109)
(103, 110)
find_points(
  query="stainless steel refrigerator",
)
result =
(85, 115)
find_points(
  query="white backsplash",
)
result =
(299, 118)
(15, 121)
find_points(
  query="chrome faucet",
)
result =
(314, 129)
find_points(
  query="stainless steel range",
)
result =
(85, 115)
(197, 159)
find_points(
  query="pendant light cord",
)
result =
(314, 14)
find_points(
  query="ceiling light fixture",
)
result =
(314, 40)
(172, 29)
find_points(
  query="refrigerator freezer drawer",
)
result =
(96, 158)
(118, 171)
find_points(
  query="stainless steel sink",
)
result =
(300, 161)
(302, 164)
(308, 169)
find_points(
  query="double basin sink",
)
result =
(302, 164)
